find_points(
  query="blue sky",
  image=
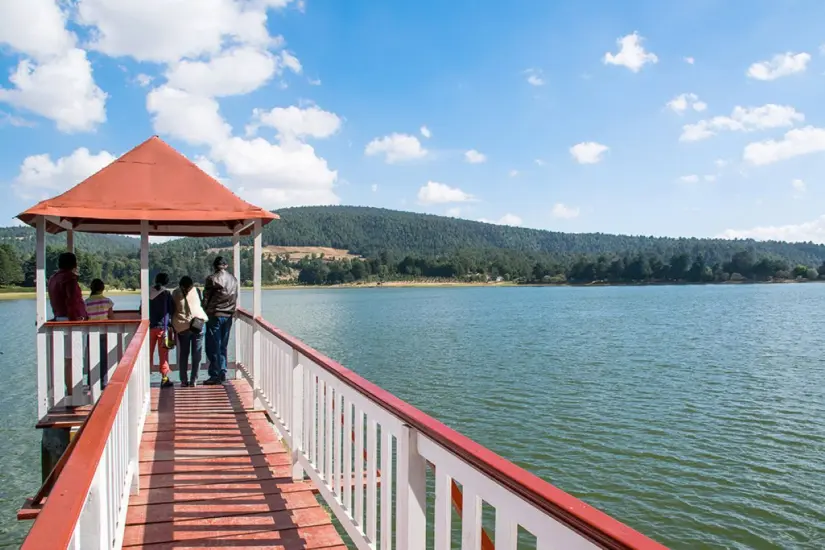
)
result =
(705, 119)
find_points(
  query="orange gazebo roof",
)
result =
(153, 182)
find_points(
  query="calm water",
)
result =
(694, 414)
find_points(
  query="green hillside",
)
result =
(371, 231)
(405, 245)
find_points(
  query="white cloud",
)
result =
(207, 166)
(314, 81)
(812, 231)
(506, 219)
(291, 62)
(60, 88)
(396, 147)
(40, 177)
(539, 162)
(783, 64)
(426, 132)
(165, 32)
(682, 102)
(474, 157)
(513, 173)
(374, 187)
(588, 152)
(35, 27)
(439, 193)
(690, 60)
(144, 80)
(561, 210)
(691, 178)
(236, 71)
(534, 77)
(16, 121)
(720, 163)
(454, 212)
(796, 142)
(743, 119)
(297, 122)
(799, 186)
(710, 177)
(631, 53)
(193, 119)
(274, 175)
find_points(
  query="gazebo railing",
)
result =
(87, 506)
(75, 354)
(370, 455)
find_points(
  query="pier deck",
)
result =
(213, 474)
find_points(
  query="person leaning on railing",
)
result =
(65, 295)
(220, 299)
(188, 321)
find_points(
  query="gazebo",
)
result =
(152, 190)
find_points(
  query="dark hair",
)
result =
(186, 282)
(97, 286)
(161, 279)
(67, 260)
(219, 262)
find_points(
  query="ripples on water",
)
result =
(692, 413)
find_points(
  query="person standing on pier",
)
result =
(188, 321)
(220, 299)
(160, 314)
(64, 291)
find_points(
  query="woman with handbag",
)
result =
(188, 321)
(160, 331)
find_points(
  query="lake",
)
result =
(692, 413)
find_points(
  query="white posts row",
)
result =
(371, 467)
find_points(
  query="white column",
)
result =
(411, 492)
(236, 271)
(257, 367)
(42, 352)
(296, 423)
(69, 240)
(144, 269)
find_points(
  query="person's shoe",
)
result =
(192, 384)
(167, 383)
(184, 384)
(212, 382)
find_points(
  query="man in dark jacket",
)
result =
(220, 299)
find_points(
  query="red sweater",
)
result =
(66, 297)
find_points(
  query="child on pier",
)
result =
(100, 308)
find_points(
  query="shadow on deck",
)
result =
(213, 474)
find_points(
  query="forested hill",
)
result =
(22, 239)
(371, 231)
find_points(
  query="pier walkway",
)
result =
(213, 473)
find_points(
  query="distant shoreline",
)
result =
(17, 294)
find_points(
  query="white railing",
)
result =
(86, 508)
(370, 455)
(75, 354)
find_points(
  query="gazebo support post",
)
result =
(69, 240)
(144, 270)
(256, 314)
(236, 271)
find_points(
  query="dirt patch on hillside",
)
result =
(297, 252)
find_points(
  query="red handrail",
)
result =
(589, 522)
(56, 522)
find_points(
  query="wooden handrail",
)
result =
(577, 515)
(56, 522)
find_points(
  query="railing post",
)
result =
(93, 527)
(411, 522)
(257, 367)
(43, 363)
(296, 424)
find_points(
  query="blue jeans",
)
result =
(217, 342)
(189, 343)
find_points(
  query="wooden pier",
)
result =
(213, 473)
